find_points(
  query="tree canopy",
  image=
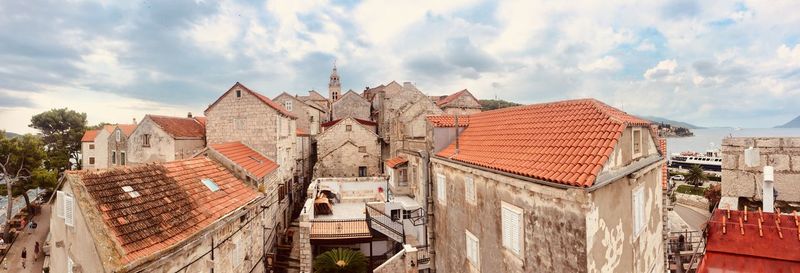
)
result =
(696, 176)
(62, 130)
(487, 105)
(340, 260)
(21, 167)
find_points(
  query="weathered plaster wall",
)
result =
(86, 153)
(783, 154)
(554, 223)
(186, 148)
(102, 150)
(120, 147)
(162, 145)
(75, 242)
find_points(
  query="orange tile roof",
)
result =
(565, 142)
(764, 247)
(180, 127)
(260, 97)
(201, 120)
(452, 97)
(242, 155)
(394, 161)
(448, 121)
(301, 132)
(173, 205)
(127, 129)
(339, 229)
(89, 135)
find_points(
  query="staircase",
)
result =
(379, 221)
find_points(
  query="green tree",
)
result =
(62, 130)
(340, 260)
(21, 161)
(98, 126)
(487, 105)
(696, 176)
(713, 194)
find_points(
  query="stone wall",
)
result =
(339, 153)
(691, 200)
(351, 105)
(162, 145)
(88, 150)
(119, 148)
(739, 180)
(400, 262)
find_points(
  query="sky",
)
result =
(711, 63)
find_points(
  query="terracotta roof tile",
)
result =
(127, 129)
(180, 127)
(565, 142)
(339, 229)
(173, 204)
(395, 161)
(301, 132)
(89, 135)
(364, 122)
(448, 121)
(252, 161)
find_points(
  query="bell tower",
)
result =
(334, 86)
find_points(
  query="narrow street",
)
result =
(13, 261)
(692, 216)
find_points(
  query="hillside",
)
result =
(672, 122)
(11, 135)
(795, 123)
(487, 105)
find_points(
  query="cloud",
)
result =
(790, 55)
(607, 63)
(661, 70)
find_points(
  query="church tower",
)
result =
(334, 87)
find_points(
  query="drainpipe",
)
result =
(767, 196)
(456, 127)
(429, 229)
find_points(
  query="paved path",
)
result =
(695, 218)
(13, 261)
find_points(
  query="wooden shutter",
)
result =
(69, 204)
(60, 209)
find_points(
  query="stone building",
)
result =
(183, 216)
(315, 98)
(89, 149)
(106, 147)
(334, 86)
(118, 144)
(743, 183)
(371, 125)
(461, 103)
(403, 124)
(570, 186)
(244, 115)
(309, 114)
(347, 149)
(163, 139)
(351, 104)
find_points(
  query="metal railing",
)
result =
(377, 217)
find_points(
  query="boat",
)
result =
(709, 161)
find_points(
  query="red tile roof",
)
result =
(173, 205)
(89, 135)
(301, 132)
(731, 251)
(180, 127)
(448, 121)
(452, 97)
(364, 122)
(565, 142)
(127, 129)
(395, 161)
(260, 97)
(201, 120)
(253, 162)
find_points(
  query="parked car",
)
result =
(678, 177)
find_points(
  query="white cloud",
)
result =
(662, 69)
(646, 46)
(607, 63)
(790, 55)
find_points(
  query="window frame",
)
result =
(348, 128)
(520, 228)
(476, 260)
(145, 140)
(638, 210)
(114, 157)
(441, 188)
(91, 146)
(122, 158)
(288, 105)
(91, 160)
(238, 93)
(470, 194)
(634, 154)
(118, 135)
(362, 149)
(69, 210)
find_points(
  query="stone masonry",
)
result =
(739, 180)
(340, 152)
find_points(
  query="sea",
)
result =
(711, 138)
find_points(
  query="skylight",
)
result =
(129, 190)
(210, 184)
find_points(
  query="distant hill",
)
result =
(795, 123)
(672, 122)
(487, 105)
(11, 135)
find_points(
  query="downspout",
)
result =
(429, 229)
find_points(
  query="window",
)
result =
(441, 190)
(118, 134)
(407, 214)
(130, 191)
(91, 146)
(146, 140)
(114, 157)
(210, 184)
(238, 124)
(281, 192)
(60, 198)
(637, 142)
(402, 179)
(362, 171)
(238, 93)
(511, 219)
(469, 189)
(395, 214)
(311, 118)
(238, 250)
(638, 211)
(473, 250)
(288, 105)
(69, 204)
(348, 128)
(91, 160)
(362, 149)
(122, 158)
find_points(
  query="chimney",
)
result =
(134, 121)
(189, 115)
(767, 196)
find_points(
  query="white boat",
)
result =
(710, 161)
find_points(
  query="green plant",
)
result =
(713, 194)
(686, 189)
(340, 260)
(696, 176)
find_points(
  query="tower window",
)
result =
(238, 93)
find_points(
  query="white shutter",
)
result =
(70, 264)
(511, 219)
(60, 209)
(472, 249)
(441, 188)
(638, 210)
(69, 204)
(469, 189)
